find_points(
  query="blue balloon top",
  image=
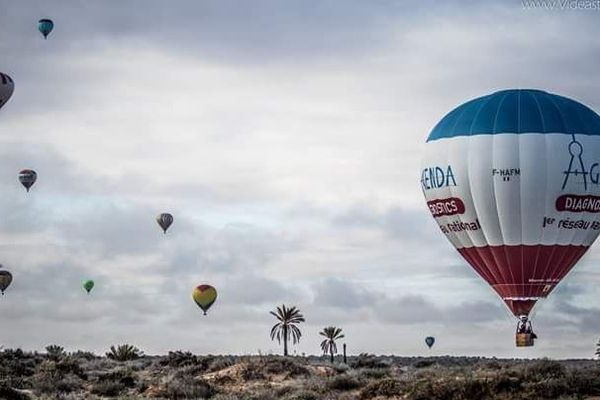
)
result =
(518, 111)
(45, 26)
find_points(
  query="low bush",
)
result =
(187, 388)
(386, 387)
(344, 383)
(365, 360)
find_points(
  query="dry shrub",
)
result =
(113, 383)
(186, 388)
(7, 392)
(257, 369)
(62, 376)
(221, 363)
(302, 395)
(386, 387)
(365, 360)
(344, 383)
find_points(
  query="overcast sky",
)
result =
(285, 137)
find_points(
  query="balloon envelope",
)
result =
(164, 220)
(27, 177)
(88, 285)
(5, 280)
(7, 87)
(429, 340)
(45, 26)
(204, 296)
(513, 181)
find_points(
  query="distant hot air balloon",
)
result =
(88, 285)
(204, 296)
(45, 26)
(164, 220)
(5, 280)
(27, 177)
(429, 341)
(7, 87)
(513, 181)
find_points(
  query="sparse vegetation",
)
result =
(124, 352)
(183, 375)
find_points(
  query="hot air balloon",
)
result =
(45, 26)
(429, 341)
(164, 220)
(88, 285)
(7, 87)
(5, 280)
(513, 181)
(27, 177)
(204, 296)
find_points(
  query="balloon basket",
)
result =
(524, 339)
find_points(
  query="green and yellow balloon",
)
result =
(204, 296)
(88, 285)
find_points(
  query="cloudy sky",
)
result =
(285, 136)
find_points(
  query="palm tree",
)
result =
(331, 334)
(598, 349)
(288, 319)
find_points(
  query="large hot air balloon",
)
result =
(513, 181)
(7, 87)
(27, 177)
(5, 280)
(45, 26)
(164, 220)
(88, 285)
(429, 341)
(204, 296)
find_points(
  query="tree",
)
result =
(54, 352)
(331, 334)
(124, 352)
(598, 348)
(288, 319)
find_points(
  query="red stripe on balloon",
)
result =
(520, 272)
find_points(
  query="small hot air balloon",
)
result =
(5, 280)
(204, 296)
(513, 181)
(164, 220)
(429, 341)
(27, 177)
(88, 285)
(7, 87)
(45, 26)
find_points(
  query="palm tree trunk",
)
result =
(331, 354)
(285, 340)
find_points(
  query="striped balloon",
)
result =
(204, 296)
(27, 177)
(164, 220)
(513, 181)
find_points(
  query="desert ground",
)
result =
(55, 374)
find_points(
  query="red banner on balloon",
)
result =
(446, 207)
(576, 203)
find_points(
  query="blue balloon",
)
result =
(429, 341)
(45, 26)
